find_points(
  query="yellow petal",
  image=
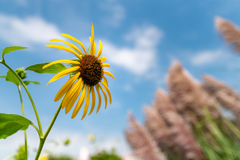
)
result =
(60, 61)
(69, 44)
(92, 40)
(76, 40)
(69, 95)
(93, 100)
(66, 87)
(100, 50)
(105, 65)
(105, 80)
(109, 93)
(109, 73)
(64, 48)
(74, 96)
(105, 96)
(63, 73)
(86, 103)
(102, 59)
(94, 47)
(99, 99)
(80, 103)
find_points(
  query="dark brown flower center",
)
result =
(91, 70)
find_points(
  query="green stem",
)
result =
(42, 140)
(29, 95)
(25, 132)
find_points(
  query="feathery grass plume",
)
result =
(158, 130)
(188, 96)
(229, 32)
(229, 103)
(214, 85)
(180, 133)
(144, 147)
(226, 96)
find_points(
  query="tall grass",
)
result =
(218, 138)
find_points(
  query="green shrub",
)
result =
(106, 156)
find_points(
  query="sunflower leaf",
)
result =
(53, 69)
(11, 123)
(10, 49)
(28, 82)
(2, 76)
(12, 78)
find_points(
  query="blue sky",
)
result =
(140, 40)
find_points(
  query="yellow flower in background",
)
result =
(91, 137)
(88, 76)
(43, 158)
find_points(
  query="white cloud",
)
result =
(206, 57)
(115, 13)
(142, 56)
(30, 30)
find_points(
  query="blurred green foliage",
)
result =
(219, 138)
(106, 156)
(20, 155)
(63, 157)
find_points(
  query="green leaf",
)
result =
(12, 78)
(11, 123)
(2, 76)
(34, 82)
(10, 49)
(55, 68)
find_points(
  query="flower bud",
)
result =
(21, 73)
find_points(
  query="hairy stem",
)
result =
(29, 95)
(25, 132)
(42, 140)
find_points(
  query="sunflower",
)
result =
(88, 76)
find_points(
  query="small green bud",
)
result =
(67, 142)
(21, 72)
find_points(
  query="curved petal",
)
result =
(100, 50)
(80, 102)
(93, 100)
(60, 61)
(94, 47)
(69, 44)
(109, 74)
(70, 94)
(86, 103)
(102, 59)
(74, 97)
(64, 48)
(66, 87)
(92, 40)
(99, 99)
(105, 96)
(105, 80)
(109, 93)
(105, 65)
(63, 73)
(76, 40)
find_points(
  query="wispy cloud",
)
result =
(26, 31)
(206, 57)
(142, 56)
(115, 12)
